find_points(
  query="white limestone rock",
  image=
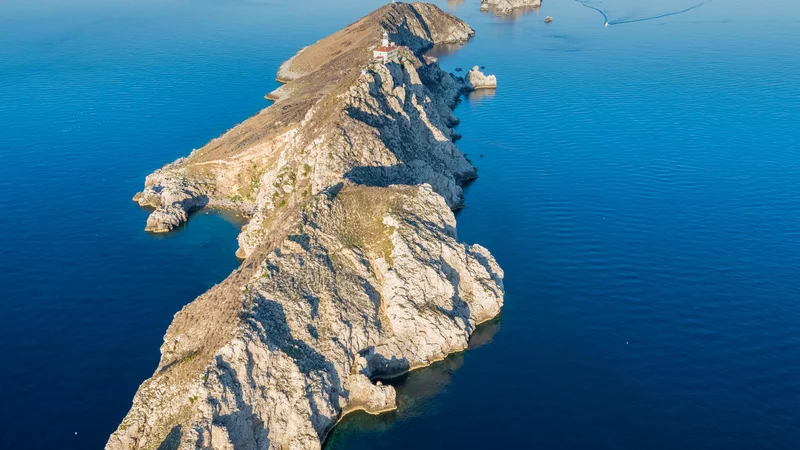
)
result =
(172, 196)
(476, 79)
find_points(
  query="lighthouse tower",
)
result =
(387, 51)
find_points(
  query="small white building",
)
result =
(387, 51)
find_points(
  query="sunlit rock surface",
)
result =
(352, 268)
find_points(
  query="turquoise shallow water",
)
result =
(638, 183)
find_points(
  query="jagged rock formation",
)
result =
(504, 7)
(476, 79)
(353, 271)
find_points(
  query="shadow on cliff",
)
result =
(403, 35)
(424, 159)
(414, 390)
(389, 369)
(242, 423)
(173, 439)
(439, 50)
(269, 325)
(277, 336)
(417, 222)
(459, 309)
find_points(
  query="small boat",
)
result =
(459, 69)
(548, 19)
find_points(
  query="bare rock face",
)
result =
(371, 283)
(287, 153)
(476, 79)
(353, 271)
(173, 197)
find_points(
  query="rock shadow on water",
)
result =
(479, 95)
(243, 422)
(415, 391)
(440, 50)
(232, 217)
(454, 4)
(415, 166)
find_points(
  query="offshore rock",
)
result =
(352, 268)
(476, 79)
(504, 7)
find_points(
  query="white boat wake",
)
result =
(608, 22)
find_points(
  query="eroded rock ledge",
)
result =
(353, 270)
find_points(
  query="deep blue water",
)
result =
(639, 184)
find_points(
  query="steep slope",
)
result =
(371, 283)
(352, 271)
(302, 144)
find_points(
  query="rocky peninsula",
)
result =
(352, 269)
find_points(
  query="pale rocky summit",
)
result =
(476, 79)
(352, 271)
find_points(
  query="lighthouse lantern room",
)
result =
(387, 51)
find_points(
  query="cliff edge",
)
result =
(352, 268)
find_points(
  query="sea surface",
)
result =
(639, 183)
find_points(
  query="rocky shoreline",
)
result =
(352, 268)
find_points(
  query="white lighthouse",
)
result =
(387, 51)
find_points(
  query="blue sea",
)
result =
(639, 183)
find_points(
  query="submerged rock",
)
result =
(352, 268)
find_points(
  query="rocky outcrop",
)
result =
(504, 7)
(352, 269)
(312, 139)
(371, 283)
(476, 79)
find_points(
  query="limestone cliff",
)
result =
(304, 143)
(352, 271)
